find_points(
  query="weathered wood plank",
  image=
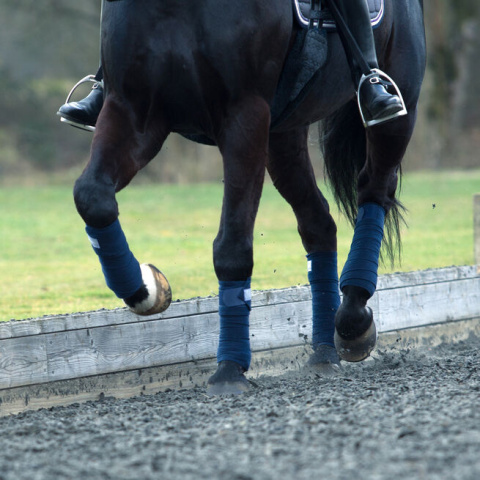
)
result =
(126, 347)
(423, 277)
(185, 308)
(199, 306)
(419, 305)
(148, 381)
(95, 351)
(23, 362)
(428, 336)
(111, 341)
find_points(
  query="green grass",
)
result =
(47, 266)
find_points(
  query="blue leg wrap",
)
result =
(234, 309)
(361, 267)
(323, 278)
(120, 267)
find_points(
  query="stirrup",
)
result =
(88, 78)
(384, 78)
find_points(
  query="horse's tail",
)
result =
(343, 145)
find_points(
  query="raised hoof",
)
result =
(324, 361)
(157, 294)
(229, 379)
(357, 349)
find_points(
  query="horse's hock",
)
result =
(72, 358)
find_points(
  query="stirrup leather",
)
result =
(88, 78)
(387, 81)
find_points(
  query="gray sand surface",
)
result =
(406, 414)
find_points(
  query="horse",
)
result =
(211, 71)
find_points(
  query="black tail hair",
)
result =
(343, 145)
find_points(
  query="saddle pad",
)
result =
(302, 11)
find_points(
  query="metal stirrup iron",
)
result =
(377, 76)
(88, 78)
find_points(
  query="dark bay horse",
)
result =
(211, 69)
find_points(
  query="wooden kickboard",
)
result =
(80, 345)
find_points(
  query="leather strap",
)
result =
(350, 44)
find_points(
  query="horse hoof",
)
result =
(229, 379)
(159, 293)
(358, 349)
(324, 361)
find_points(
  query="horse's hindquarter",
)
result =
(189, 61)
(407, 48)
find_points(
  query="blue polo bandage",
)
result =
(323, 278)
(361, 268)
(234, 310)
(120, 268)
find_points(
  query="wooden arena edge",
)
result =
(73, 358)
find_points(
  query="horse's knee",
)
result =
(232, 260)
(95, 201)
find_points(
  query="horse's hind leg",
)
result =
(355, 331)
(292, 174)
(117, 155)
(243, 144)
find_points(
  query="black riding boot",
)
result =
(84, 114)
(376, 104)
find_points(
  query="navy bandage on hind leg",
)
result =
(120, 268)
(323, 278)
(361, 268)
(234, 310)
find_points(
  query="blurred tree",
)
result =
(44, 47)
(453, 100)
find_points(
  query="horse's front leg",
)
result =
(243, 144)
(355, 331)
(116, 156)
(292, 174)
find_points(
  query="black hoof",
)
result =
(324, 361)
(355, 332)
(356, 349)
(229, 379)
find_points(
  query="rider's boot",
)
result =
(376, 103)
(84, 113)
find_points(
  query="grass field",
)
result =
(47, 266)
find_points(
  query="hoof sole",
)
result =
(159, 292)
(358, 349)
